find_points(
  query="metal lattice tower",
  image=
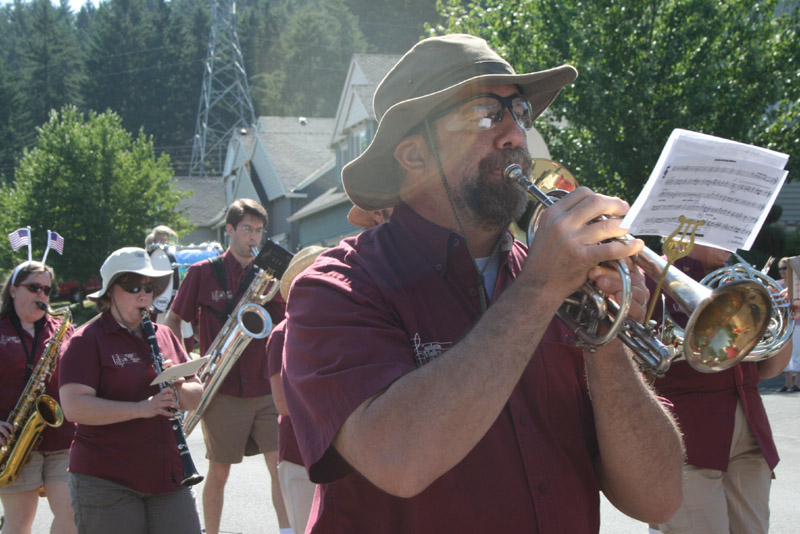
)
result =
(225, 103)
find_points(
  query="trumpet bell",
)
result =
(726, 326)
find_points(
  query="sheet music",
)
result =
(730, 185)
(177, 371)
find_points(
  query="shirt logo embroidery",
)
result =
(5, 340)
(120, 360)
(427, 352)
(218, 295)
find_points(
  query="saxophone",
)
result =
(34, 409)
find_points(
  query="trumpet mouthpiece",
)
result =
(41, 305)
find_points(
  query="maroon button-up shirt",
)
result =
(287, 442)
(13, 361)
(141, 454)
(388, 301)
(198, 294)
(705, 403)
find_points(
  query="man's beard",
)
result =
(488, 202)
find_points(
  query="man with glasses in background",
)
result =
(242, 418)
(430, 386)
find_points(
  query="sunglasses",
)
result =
(147, 287)
(484, 112)
(38, 288)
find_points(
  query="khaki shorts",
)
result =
(42, 467)
(233, 427)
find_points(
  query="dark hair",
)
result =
(23, 271)
(245, 206)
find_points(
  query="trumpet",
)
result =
(725, 324)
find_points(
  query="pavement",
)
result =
(248, 506)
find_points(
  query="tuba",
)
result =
(724, 325)
(34, 410)
(249, 320)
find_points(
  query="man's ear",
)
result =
(412, 153)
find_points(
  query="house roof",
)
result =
(355, 103)
(205, 203)
(297, 148)
(332, 197)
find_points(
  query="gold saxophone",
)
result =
(34, 409)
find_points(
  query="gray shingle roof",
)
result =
(297, 150)
(206, 201)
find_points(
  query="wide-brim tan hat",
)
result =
(131, 260)
(301, 261)
(360, 217)
(429, 74)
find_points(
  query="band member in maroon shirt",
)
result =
(241, 419)
(25, 330)
(125, 467)
(429, 384)
(730, 453)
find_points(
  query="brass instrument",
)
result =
(724, 325)
(34, 410)
(780, 326)
(249, 320)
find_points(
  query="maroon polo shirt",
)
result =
(13, 361)
(388, 301)
(287, 442)
(198, 294)
(141, 454)
(705, 403)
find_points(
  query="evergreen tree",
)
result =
(50, 67)
(315, 51)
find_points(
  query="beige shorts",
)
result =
(42, 467)
(234, 427)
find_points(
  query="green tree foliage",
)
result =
(723, 68)
(94, 183)
(315, 50)
(50, 68)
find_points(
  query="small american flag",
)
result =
(56, 242)
(19, 238)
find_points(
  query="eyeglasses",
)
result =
(38, 288)
(147, 287)
(250, 230)
(484, 112)
(781, 268)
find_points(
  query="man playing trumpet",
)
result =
(430, 386)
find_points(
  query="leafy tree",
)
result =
(95, 184)
(645, 69)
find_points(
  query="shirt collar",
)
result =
(440, 245)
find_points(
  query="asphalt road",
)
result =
(248, 508)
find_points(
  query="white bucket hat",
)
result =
(131, 260)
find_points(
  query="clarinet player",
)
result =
(125, 466)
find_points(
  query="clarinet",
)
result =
(190, 474)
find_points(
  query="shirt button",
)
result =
(542, 488)
(439, 267)
(456, 242)
(473, 292)
(522, 420)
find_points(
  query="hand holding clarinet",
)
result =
(166, 403)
